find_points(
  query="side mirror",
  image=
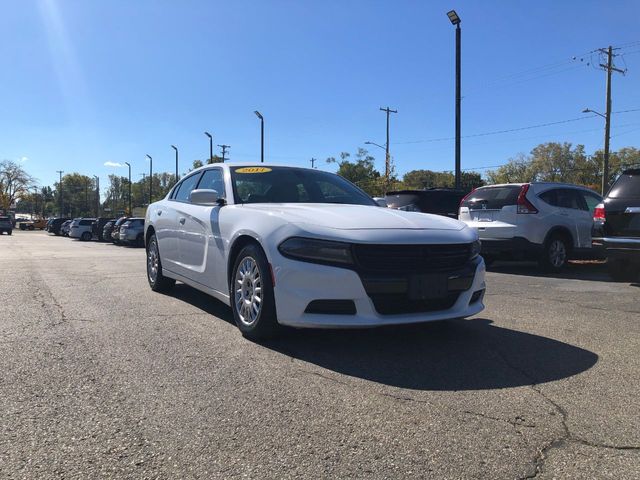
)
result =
(205, 197)
(381, 202)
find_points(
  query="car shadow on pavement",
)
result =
(202, 301)
(575, 270)
(454, 355)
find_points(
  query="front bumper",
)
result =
(297, 284)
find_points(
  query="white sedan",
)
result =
(306, 248)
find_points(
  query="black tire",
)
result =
(9, 232)
(555, 253)
(621, 271)
(157, 281)
(85, 237)
(251, 270)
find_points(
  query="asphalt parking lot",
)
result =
(104, 378)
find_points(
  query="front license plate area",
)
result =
(428, 286)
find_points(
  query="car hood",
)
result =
(355, 217)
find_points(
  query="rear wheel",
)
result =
(555, 254)
(622, 271)
(251, 290)
(157, 281)
(9, 232)
(85, 237)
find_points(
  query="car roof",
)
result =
(555, 184)
(228, 165)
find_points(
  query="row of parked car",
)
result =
(547, 222)
(121, 231)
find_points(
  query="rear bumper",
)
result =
(619, 248)
(516, 247)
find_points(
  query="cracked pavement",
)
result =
(103, 378)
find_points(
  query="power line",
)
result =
(497, 132)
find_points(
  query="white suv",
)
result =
(548, 222)
(81, 228)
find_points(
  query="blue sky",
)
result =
(89, 82)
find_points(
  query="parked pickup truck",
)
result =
(39, 223)
(616, 226)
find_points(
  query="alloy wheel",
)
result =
(152, 261)
(248, 291)
(557, 253)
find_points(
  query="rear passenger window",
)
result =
(570, 198)
(186, 187)
(550, 197)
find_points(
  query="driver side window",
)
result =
(186, 187)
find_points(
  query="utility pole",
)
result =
(313, 161)
(387, 164)
(97, 195)
(224, 151)
(86, 195)
(60, 172)
(609, 67)
(129, 165)
(35, 202)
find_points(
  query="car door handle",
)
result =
(564, 214)
(182, 220)
(159, 212)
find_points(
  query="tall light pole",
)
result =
(455, 20)
(129, 165)
(210, 147)
(144, 176)
(176, 149)
(97, 196)
(60, 172)
(150, 179)
(35, 201)
(259, 115)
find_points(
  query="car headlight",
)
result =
(475, 249)
(317, 251)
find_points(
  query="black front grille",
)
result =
(331, 307)
(410, 258)
(399, 304)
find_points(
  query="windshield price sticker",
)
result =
(253, 170)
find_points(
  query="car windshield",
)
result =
(492, 198)
(627, 186)
(294, 185)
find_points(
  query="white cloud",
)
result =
(113, 164)
(24, 159)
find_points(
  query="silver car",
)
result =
(132, 232)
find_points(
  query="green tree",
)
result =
(78, 195)
(362, 171)
(418, 179)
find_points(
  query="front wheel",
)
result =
(85, 237)
(251, 291)
(157, 281)
(555, 254)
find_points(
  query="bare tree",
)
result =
(14, 182)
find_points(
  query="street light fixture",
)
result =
(453, 16)
(455, 20)
(372, 143)
(259, 115)
(176, 149)
(150, 179)
(210, 146)
(588, 110)
(129, 165)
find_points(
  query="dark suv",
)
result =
(55, 224)
(97, 228)
(440, 201)
(616, 226)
